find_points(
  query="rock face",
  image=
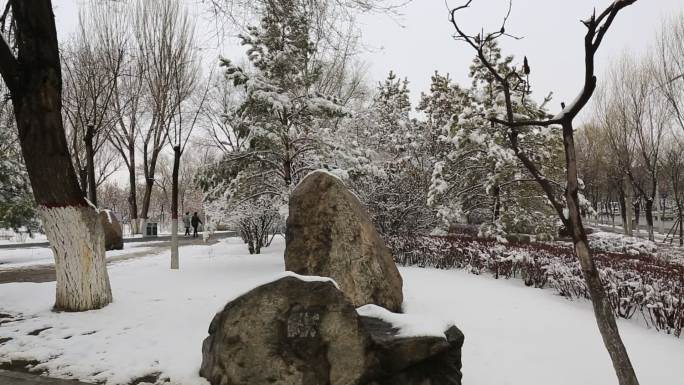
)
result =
(288, 332)
(112, 229)
(329, 234)
(303, 331)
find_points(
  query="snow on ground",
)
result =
(9, 237)
(30, 256)
(514, 335)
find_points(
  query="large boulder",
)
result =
(301, 330)
(112, 230)
(330, 234)
(288, 332)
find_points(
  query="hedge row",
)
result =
(638, 285)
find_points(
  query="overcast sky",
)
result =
(420, 42)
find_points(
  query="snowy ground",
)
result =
(514, 335)
(13, 258)
(9, 237)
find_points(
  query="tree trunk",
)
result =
(71, 225)
(174, 207)
(497, 202)
(603, 310)
(90, 165)
(628, 209)
(661, 211)
(680, 215)
(649, 218)
(83, 178)
(132, 192)
(149, 183)
(622, 199)
(77, 240)
(637, 214)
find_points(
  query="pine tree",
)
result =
(287, 118)
(479, 179)
(17, 207)
(394, 187)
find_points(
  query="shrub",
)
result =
(637, 284)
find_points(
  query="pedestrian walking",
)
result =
(195, 221)
(186, 222)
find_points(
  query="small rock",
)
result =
(112, 230)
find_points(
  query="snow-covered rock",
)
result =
(298, 330)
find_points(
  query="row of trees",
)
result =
(132, 80)
(635, 139)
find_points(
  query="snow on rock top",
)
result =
(409, 325)
(109, 215)
(285, 274)
(332, 174)
(306, 278)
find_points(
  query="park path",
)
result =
(46, 273)
(18, 378)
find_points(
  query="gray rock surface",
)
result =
(296, 332)
(329, 234)
(112, 229)
(287, 332)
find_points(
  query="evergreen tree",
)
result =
(286, 122)
(286, 118)
(394, 188)
(479, 179)
(17, 207)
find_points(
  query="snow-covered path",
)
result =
(514, 335)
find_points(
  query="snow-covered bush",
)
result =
(258, 221)
(617, 243)
(641, 285)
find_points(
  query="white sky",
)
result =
(420, 42)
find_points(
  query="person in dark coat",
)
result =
(195, 221)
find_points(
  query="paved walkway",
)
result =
(46, 273)
(165, 237)
(17, 378)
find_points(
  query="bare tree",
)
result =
(163, 34)
(223, 121)
(128, 100)
(669, 66)
(33, 77)
(672, 164)
(189, 106)
(597, 26)
(634, 116)
(92, 66)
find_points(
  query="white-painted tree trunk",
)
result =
(174, 244)
(77, 240)
(135, 226)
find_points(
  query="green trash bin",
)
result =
(151, 229)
